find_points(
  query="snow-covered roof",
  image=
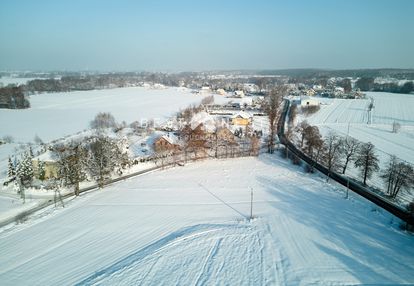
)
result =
(143, 146)
(47, 156)
(304, 98)
(171, 138)
(242, 114)
(209, 124)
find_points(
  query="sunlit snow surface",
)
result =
(335, 114)
(53, 115)
(187, 226)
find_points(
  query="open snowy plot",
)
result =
(188, 226)
(53, 115)
(337, 114)
(15, 80)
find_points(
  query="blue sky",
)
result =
(205, 35)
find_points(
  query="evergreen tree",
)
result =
(104, 155)
(11, 171)
(41, 170)
(72, 164)
(24, 170)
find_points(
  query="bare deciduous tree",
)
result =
(333, 151)
(397, 176)
(103, 120)
(349, 147)
(37, 140)
(301, 129)
(313, 142)
(272, 107)
(254, 146)
(207, 100)
(293, 111)
(366, 160)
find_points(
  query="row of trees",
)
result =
(79, 81)
(336, 153)
(272, 106)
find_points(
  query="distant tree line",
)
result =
(305, 74)
(369, 84)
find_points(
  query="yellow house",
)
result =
(242, 118)
(50, 165)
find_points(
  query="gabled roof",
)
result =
(47, 156)
(170, 138)
(204, 118)
(242, 114)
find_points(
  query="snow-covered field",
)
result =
(15, 80)
(335, 114)
(53, 115)
(188, 226)
(350, 116)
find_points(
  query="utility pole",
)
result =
(251, 204)
(58, 196)
(347, 134)
(22, 191)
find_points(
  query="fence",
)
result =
(160, 163)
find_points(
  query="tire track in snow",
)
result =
(262, 260)
(206, 268)
(277, 260)
(162, 244)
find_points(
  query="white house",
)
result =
(308, 101)
(221, 91)
(339, 89)
(246, 101)
(205, 89)
(239, 93)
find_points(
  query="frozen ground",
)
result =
(341, 115)
(335, 114)
(53, 115)
(187, 226)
